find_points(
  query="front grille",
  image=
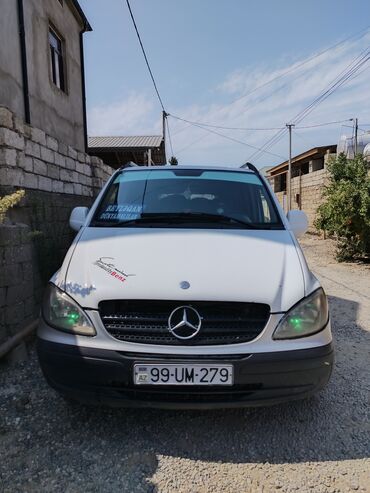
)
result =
(146, 321)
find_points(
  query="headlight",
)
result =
(63, 313)
(307, 317)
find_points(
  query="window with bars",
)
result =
(57, 60)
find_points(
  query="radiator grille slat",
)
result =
(146, 321)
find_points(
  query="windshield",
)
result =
(187, 198)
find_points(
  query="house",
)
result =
(118, 151)
(308, 179)
(42, 66)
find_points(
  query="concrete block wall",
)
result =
(31, 159)
(20, 283)
(281, 196)
(309, 187)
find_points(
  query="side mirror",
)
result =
(298, 222)
(78, 218)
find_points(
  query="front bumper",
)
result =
(102, 376)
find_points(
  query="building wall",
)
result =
(11, 86)
(56, 178)
(58, 113)
(281, 196)
(19, 282)
(309, 187)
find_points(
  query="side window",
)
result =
(57, 60)
(266, 208)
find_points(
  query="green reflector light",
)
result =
(73, 317)
(297, 323)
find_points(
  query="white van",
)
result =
(185, 287)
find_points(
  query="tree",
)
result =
(173, 161)
(345, 212)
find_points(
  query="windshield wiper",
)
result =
(120, 223)
(171, 218)
(201, 216)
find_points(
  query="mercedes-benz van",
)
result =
(185, 287)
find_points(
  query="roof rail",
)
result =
(251, 167)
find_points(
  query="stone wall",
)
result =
(31, 159)
(36, 235)
(20, 283)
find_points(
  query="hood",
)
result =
(219, 265)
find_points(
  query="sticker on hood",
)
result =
(106, 264)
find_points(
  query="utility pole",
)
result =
(356, 133)
(289, 176)
(164, 116)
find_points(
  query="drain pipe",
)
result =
(83, 88)
(86, 28)
(14, 341)
(22, 36)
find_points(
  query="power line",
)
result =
(337, 82)
(341, 79)
(304, 139)
(362, 129)
(201, 124)
(322, 124)
(250, 106)
(192, 143)
(271, 142)
(146, 58)
(358, 34)
(281, 130)
(313, 57)
(232, 139)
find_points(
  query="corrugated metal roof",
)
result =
(130, 141)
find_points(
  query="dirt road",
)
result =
(320, 445)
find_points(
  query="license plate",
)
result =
(190, 374)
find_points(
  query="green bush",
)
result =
(345, 213)
(9, 201)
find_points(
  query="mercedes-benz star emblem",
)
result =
(184, 322)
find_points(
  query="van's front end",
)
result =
(185, 287)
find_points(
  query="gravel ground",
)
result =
(319, 445)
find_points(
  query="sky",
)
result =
(208, 55)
